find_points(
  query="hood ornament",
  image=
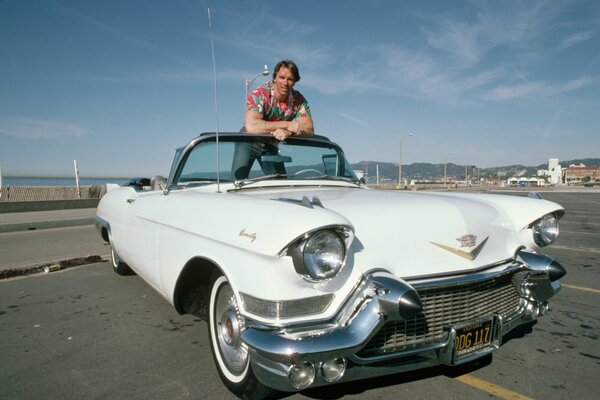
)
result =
(306, 202)
(465, 241)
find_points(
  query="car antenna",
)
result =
(212, 47)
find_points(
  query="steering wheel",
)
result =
(307, 170)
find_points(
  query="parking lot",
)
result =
(87, 333)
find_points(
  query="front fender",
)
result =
(268, 277)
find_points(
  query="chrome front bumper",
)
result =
(382, 299)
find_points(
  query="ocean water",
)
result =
(33, 181)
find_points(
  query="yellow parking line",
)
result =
(490, 388)
(580, 233)
(585, 289)
(579, 249)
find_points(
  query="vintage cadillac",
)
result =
(306, 277)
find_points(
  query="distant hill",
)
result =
(427, 171)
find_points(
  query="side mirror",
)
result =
(159, 182)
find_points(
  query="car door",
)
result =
(141, 231)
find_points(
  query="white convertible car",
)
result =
(306, 277)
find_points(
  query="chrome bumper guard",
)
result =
(382, 298)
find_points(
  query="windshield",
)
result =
(246, 158)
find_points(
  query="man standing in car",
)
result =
(277, 108)
(274, 108)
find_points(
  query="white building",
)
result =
(554, 171)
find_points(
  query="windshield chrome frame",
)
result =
(183, 153)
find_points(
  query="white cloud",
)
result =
(482, 78)
(353, 119)
(537, 88)
(568, 86)
(121, 34)
(508, 92)
(136, 76)
(459, 39)
(470, 36)
(465, 57)
(38, 129)
(272, 37)
(575, 39)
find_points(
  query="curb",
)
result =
(51, 266)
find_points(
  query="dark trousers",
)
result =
(245, 155)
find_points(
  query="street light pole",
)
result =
(400, 163)
(446, 162)
(249, 81)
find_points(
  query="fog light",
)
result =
(333, 370)
(302, 375)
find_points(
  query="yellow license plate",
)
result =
(472, 337)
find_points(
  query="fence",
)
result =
(49, 193)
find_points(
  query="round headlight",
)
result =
(545, 230)
(324, 254)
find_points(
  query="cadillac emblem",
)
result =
(468, 240)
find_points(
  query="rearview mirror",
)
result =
(276, 159)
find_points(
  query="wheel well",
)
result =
(103, 228)
(104, 233)
(191, 290)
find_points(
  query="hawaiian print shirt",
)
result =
(262, 100)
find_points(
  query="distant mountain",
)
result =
(427, 171)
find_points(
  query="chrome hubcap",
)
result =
(228, 331)
(230, 328)
(115, 257)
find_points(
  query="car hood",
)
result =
(422, 233)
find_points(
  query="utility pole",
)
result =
(400, 163)
(77, 178)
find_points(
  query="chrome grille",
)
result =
(442, 308)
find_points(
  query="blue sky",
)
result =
(118, 85)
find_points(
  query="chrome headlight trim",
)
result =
(283, 309)
(320, 255)
(323, 254)
(545, 230)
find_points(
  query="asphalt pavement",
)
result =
(32, 220)
(29, 241)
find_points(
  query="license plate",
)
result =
(471, 337)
